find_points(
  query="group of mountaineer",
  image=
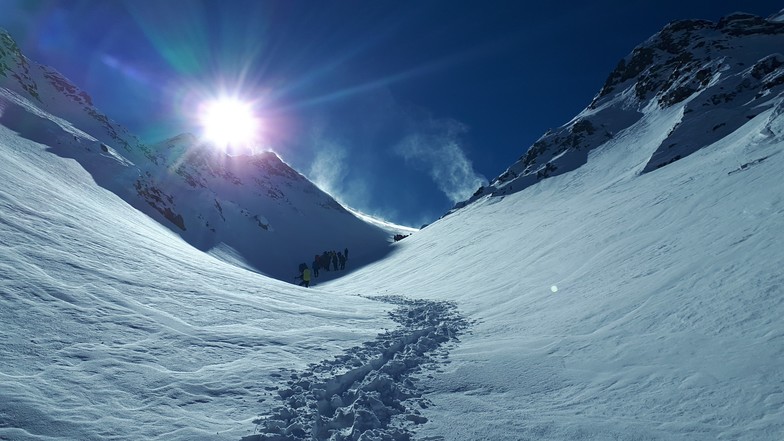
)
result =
(322, 261)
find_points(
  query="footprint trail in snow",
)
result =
(370, 393)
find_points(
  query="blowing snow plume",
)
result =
(438, 148)
(328, 169)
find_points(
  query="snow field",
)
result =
(665, 324)
(372, 391)
(114, 328)
(666, 320)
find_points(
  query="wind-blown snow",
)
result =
(666, 324)
(666, 321)
(247, 209)
(114, 328)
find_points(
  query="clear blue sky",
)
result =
(397, 107)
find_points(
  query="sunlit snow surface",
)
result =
(113, 328)
(666, 322)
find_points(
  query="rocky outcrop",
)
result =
(723, 74)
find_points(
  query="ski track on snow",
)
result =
(371, 391)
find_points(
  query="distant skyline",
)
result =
(397, 109)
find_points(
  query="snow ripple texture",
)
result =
(370, 393)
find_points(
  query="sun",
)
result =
(229, 123)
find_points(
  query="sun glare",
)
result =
(229, 123)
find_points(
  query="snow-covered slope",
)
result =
(255, 208)
(598, 304)
(114, 328)
(249, 209)
(725, 73)
(613, 305)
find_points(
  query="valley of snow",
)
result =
(621, 281)
(666, 321)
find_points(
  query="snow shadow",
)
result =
(371, 392)
(104, 165)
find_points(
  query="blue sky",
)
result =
(397, 108)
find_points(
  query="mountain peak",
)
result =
(721, 74)
(741, 23)
(251, 209)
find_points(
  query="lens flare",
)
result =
(229, 123)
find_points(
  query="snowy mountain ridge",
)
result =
(601, 304)
(726, 72)
(247, 208)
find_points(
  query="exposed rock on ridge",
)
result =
(723, 74)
